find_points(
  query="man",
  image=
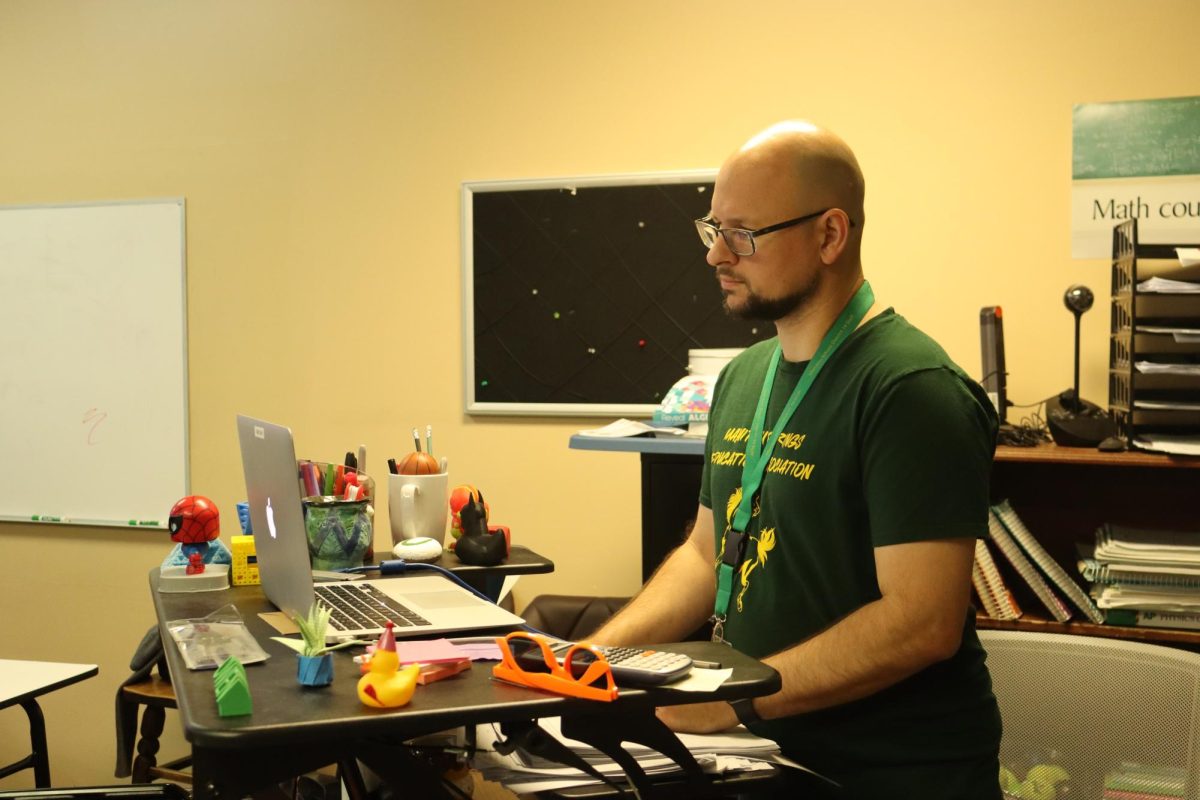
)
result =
(859, 515)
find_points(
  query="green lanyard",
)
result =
(758, 455)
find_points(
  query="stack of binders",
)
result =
(1145, 577)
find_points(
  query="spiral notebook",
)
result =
(1012, 551)
(997, 600)
(1013, 524)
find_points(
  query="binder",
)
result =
(1014, 525)
(1120, 574)
(1012, 551)
(997, 600)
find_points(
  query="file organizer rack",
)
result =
(1127, 346)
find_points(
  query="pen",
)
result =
(392, 466)
(429, 439)
(417, 440)
(45, 518)
(706, 664)
(350, 460)
(362, 458)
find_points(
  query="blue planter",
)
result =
(315, 670)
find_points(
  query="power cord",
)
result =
(1031, 431)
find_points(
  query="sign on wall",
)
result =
(1135, 159)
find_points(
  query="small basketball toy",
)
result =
(194, 521)
(418, 463)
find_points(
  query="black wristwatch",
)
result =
(744, 709)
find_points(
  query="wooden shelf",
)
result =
(1172, 636)
(1063, 494)
(1089, 456)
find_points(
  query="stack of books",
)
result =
(1036, 567)
(1145, 577)
(1142, 782)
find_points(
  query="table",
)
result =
(21, 683)
(293, 730)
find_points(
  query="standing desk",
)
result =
(293, 730)
(671, 469)
(21, 683)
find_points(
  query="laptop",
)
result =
(423, 603)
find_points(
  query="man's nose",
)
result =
(720, 253)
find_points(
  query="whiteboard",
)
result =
(93, 391)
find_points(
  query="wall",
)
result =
(321, 147)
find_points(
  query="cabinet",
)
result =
(1158, 402)
(1064, 493)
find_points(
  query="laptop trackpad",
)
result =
(441, 599)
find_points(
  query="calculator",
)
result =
(637, 666)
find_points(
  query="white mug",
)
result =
(419, 505)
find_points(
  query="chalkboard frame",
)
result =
(471, 190)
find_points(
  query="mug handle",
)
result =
(408, 511)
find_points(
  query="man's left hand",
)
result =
(698, 717)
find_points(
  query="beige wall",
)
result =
(321, 147)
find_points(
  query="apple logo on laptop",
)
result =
(271, 519)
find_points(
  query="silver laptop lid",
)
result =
(276, 514)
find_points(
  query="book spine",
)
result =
(990, 606)
(1012, 551)
(1154, 619)
(1001, 598)
(1010, 520)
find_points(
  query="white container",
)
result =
(710, 362)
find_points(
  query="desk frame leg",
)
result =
(40, 758)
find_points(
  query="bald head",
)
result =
(818, 165)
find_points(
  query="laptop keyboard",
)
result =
(363, 607)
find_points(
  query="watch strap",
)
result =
(744, 709)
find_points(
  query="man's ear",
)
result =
(835, 234)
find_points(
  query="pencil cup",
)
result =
(418, 505)
(339, 532)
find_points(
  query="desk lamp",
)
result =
(1073, 421)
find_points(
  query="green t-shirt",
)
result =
(892, 444)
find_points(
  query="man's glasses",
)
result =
(526, 660)
(740, 241)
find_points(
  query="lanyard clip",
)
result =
(718, 631)
(735, 548)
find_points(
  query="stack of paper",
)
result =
(1144, 571)
(1174, 444)
(1168, 286)
(523, 773)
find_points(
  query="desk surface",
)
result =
(661, 445)
(286, 714)
(21, 680)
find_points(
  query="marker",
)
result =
(362, 458)
(45, 518)
(147, 523)
(392, 466)
(417, 440)
(429, 439)
(706, 664)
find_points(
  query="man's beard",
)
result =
(771, 310)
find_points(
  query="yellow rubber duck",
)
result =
(385, 685)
